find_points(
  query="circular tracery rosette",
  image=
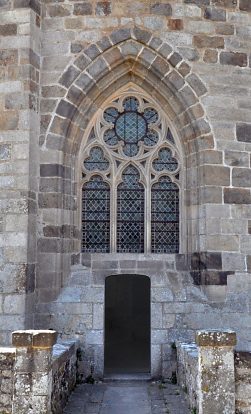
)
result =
(131, 127)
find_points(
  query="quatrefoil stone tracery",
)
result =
(130, 126)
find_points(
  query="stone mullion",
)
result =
(113, 217)
(148, 216)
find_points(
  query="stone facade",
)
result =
(37, 375)
(214, 377)
(59, 62)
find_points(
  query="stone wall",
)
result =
(242, 382)
(64, 374)
(19, 126)
(212, 38)
(7, 359)
(36, 376)
(189, 369)
(59, 62)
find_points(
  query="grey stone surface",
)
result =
(127, 397)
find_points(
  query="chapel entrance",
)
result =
(127, 324)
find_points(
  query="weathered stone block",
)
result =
(103, 8)
(175, 58)
(197, 85)
(69, 76)
(245, 5)
(82, 9)
(210, 56)
(211, 42)
(164, 9)
(44, 339)
(215, 175)
(216, 338)
(8, 120)
(215, 14)
(58, 10)
(5, 152)
(233, 58)
(8, 29)
(237, 196)
(85, 82)
(175, 24)
(162, 294)
(241, 177)
(142, 36)
(22, 338)
(237, 158)
(243, 132)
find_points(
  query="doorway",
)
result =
(127, 324)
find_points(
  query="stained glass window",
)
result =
(130, 214)
(131, 126)
(165, 216)
(96, 216)
(96, 161)
(130, 146)
(165, 161)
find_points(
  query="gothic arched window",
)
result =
(130, 172)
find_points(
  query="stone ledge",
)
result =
(216, 338)
(44, 339)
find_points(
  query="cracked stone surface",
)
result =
(127, 397)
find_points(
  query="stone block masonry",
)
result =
(7, 359)
(33, 371)
(59, 63)
(37, 375)
(215, 378)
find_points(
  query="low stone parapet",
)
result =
(36, 374)
(64, 374)
(215, 380)
(187, 373)
(7, 359)
(243, 382)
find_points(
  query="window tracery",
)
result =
(130, 175)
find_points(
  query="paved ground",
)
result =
(127, 397)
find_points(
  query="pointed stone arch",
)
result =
(129, 55)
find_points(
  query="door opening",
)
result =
(127, 324)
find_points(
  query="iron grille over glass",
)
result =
(131, 126)
(96, 216)
(130, 214)
(165, 216)
(130, 167)
(96, 161)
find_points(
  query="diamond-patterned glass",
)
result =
(130, 213)
(131, 126)
(165, 216)
(96, 216)
(165, 161)
(96, 161)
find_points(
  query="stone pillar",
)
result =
(32, 371)
(7, 359)
(216, 380)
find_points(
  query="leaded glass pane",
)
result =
(165, 216)
(131, 126)
(130, 213)
(96, 161)
(165, 161)
(96, 216)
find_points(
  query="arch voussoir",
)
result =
(133, 55)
